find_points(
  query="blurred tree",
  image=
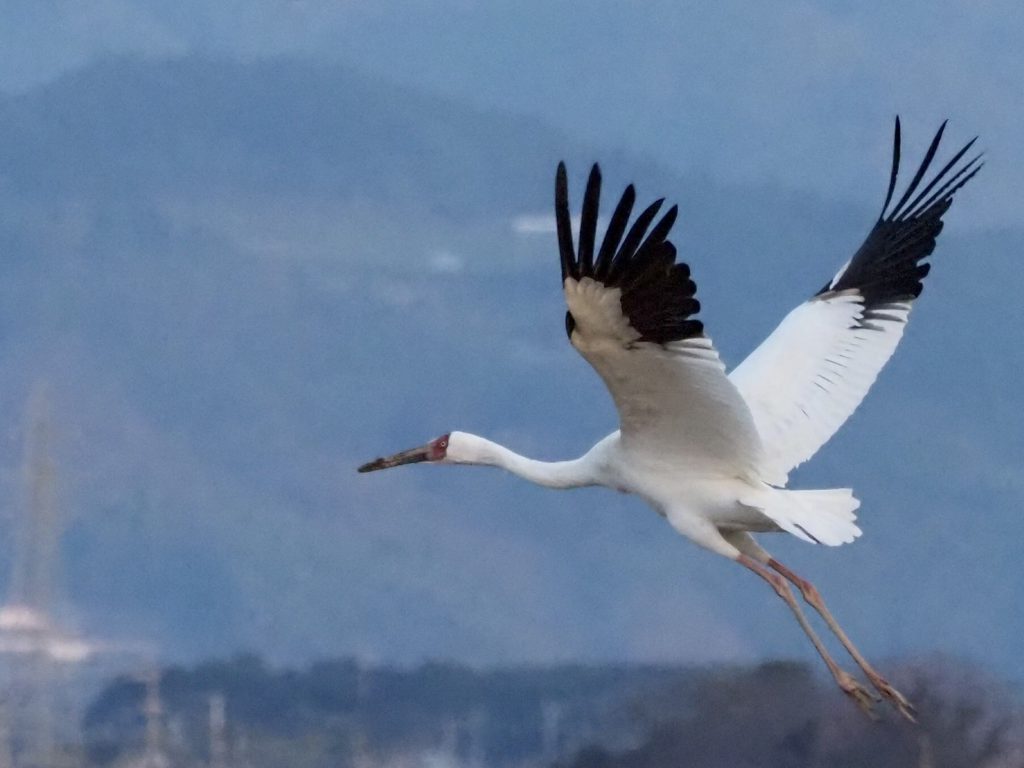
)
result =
(778, 716)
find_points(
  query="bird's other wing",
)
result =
(631, 311)
(812, 372)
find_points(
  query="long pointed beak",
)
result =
(411, 456)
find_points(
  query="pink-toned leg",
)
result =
(845, 680)
(814, 599)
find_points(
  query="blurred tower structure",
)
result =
(153, 708)
(154, 753)
(552, 715)
(218, 732)
(34, 651)
(35, 554)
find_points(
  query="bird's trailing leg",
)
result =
(849, 685)
(813, 598)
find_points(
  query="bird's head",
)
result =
(437, 450)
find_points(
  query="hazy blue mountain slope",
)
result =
(240, 281)
(794, 93)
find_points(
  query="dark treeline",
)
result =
(339, 713)
(779, 715)
(347, 710)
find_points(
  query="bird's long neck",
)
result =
(552, 474)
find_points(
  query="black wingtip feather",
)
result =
(888, 266)
(662, 228)
(563, 223)
(954, 183)
(921, 170)
(588, 220)
(657, 294)
(895, 168)
(913, 206)
(612, 236)
(631, 243)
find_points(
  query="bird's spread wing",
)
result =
(812, 372)
(631, 314)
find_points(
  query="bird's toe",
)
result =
(861, 696)
(894, 697)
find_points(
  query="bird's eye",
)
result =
(443, 444)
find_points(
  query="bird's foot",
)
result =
(861, 696)
(894, 697)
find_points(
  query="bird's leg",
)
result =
(846, 681)
(813, 598)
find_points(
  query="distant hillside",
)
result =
(239, 281)
(197, 126)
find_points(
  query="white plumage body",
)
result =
(688, 442)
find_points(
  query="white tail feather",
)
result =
(819, 517)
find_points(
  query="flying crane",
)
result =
(712, 452)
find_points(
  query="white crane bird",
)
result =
(711, 452)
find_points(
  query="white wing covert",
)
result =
(804, 381)
(631, 314)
